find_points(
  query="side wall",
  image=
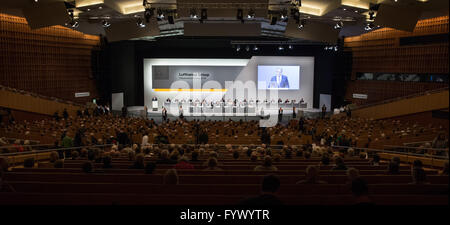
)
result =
(53, 61)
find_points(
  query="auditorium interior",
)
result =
(224, 102)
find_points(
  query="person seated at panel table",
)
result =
(175, 100)
(302, 101)
(168, 100)
(287, 101)
(280, 101)
(279, 80)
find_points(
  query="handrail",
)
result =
(394, 152)
(417, 142)
(401, 98)
(51, 150)
(40, 96)
(433, 149)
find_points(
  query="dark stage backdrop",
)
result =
(126, 61)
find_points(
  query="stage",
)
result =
(138, 111)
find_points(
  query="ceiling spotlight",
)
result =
(251, 14)
(36, 0)
(140, 23)
(105, 23)
(247, 48)
(339, 25)
(255, 48)
(344, 9)
(335, 48)
(238, 48)
(356, 11)
(290, 47)
(100, 7)
(193, 14)
(281, 48)
(88, 10)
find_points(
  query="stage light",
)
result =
(105, 23)
(281, 48)
(339, 25)
(193, 14)
(255, 48)
(140, 23)
(100, 7)
(238, 48)
(251, 14)
(290, 47)
(247, 48)
(335, 48)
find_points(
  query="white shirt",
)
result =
(144, 140)
(278, 80)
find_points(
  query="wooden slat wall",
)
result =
(379, 51)
(53, 61)
(28, 103)
(408, 106)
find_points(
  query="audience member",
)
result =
(267, 165)
(312, 176)
(171, 177)
(360, 191)
(212, 164)
(269, 187)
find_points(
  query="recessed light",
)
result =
(88, 10)
(100, 7)
(356, 11)
(345, 9)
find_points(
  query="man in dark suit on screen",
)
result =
(279, 80)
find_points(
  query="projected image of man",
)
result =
(279, 80)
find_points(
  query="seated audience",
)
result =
(88, 167)
(28, 163)
(419, 175)
(444, 171)
(312, 176)
(339, 164)
(183, 164)
(171, 177)
(393, 168)
(4, 185)
(58, 163)
(139, 162)
(150, 167)
(164, 158)
(269, 187)
(352, 173)
(360, 191)
(375, 160)
(212, 164)
(267, 165)
(107, 162)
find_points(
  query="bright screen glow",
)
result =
(278, 77)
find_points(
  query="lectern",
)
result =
(154, 104)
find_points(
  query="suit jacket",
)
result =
(284, 83)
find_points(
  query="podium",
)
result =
(155, 105)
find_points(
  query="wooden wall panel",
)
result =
(380, 51)
(53, 61)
